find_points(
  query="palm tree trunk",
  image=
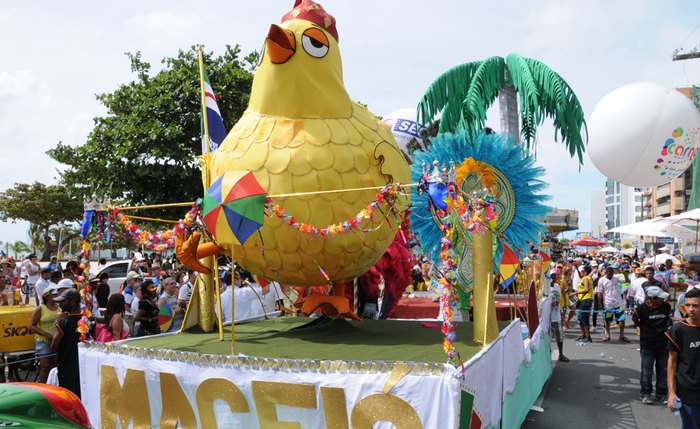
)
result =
(508, 109)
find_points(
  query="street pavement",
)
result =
(598, 389)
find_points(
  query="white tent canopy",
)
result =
(609, 249)
(659, 227)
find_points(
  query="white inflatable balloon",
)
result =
(403, 126)
(643, 134)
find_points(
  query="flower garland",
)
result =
(388, 194)
(448, 298)
(161, 240)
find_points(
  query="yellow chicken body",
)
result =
(302, 133)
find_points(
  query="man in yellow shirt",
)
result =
(584, 291)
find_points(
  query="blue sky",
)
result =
(57, 56)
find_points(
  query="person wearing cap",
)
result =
(42, 324)
(65, 340)
(33, 270)
(42, 283)
(651, 319)
(54, 264)
(132, 279)
(684, 362)
(636, 294)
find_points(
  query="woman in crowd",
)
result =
(114, 327)
(42, 325)
(147, 314)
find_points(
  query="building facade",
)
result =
(623, 206)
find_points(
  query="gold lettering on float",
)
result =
(213, 389)
(123, 401)
(176, 406)
(269, 394)
(383, 407)
(334, 407)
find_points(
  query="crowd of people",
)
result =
(152, 284)
(611, 290)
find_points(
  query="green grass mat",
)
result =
(304, 338)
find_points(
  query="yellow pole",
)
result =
(485, 324)
(220, 315)
(233, 316)
(207, 289)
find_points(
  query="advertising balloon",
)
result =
(403, 126)
(643, 134)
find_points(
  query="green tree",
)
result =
(462, 95)
(144, 149)
(44, 207)
(19, 247)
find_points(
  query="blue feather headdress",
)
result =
(515, 166)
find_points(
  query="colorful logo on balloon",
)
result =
(679, 150)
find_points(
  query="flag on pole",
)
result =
(60, 243)
(213, 130)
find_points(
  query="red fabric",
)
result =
(313, 12)
(476, 421)
(425, 308)
(395, 266)
(103, 335)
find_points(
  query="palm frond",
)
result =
(558, 101)
(523, 81)
(462, 95)
(488, 79)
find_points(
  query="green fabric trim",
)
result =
(531, 380)
(297, 338)
(465, 410)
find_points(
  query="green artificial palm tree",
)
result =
(462, 95)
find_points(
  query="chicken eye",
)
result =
(315, 42)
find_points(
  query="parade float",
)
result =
(309, 188)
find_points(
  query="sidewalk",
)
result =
(598, 389)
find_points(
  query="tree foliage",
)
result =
(144, 149)
(44, 207)
(462, 95)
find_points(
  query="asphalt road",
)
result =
(598, 389)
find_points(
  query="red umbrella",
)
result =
(588, 242)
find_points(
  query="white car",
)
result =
(117, 271)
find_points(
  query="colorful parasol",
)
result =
(233, 207)
(587, 242)
(509, 266)
(165, 318)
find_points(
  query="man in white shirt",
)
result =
(637, 293)
(273, 297)
(611, 290)
(247, 297)
(226, 291)
(33, 270)
(43, 281)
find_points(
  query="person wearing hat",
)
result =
(42, 283)
(65, 340)
(132, 278)
(54, 265)
(42, 324)
(147, 313)
(684, 362)
(651, 319)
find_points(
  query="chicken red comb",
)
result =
(311, 11)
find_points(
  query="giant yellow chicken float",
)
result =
(302, 134)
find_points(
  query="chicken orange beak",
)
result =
(280, 44)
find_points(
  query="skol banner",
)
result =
(14, 329)
(123, 386)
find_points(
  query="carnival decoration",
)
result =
(681, 305)
(516, 192)
(509, 266)
(322, 154)
(233, 207)
(165, 318)
(644, 134)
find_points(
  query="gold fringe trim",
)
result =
(481, 169)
